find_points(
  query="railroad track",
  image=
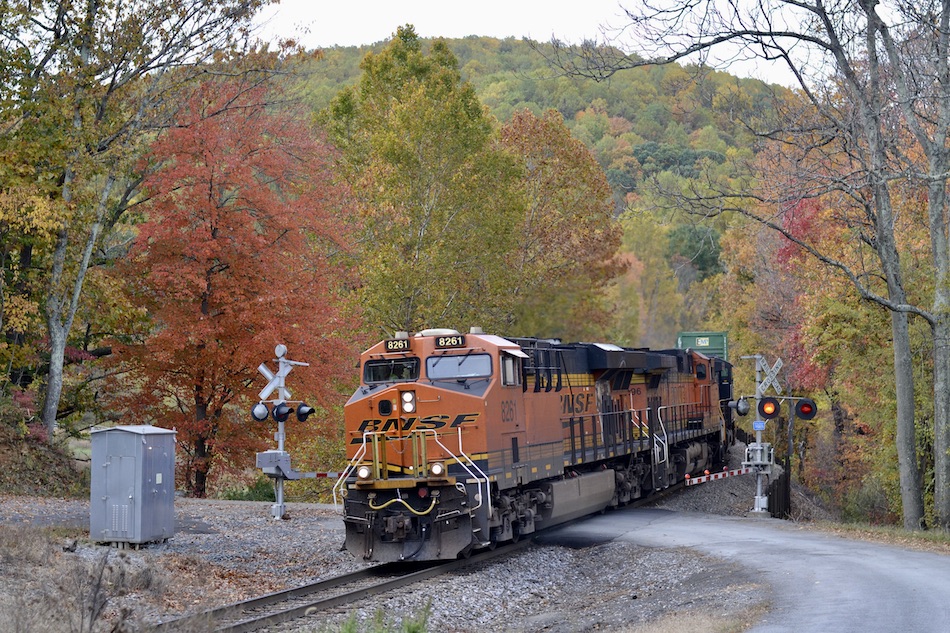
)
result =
(320, 597)
(332, 593)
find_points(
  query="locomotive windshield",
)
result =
(391, 370)
(458, 367)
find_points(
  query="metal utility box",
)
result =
(133, 485)
(708, 343)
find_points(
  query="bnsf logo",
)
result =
(577, 403)
(431, 422)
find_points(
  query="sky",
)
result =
(318, 23)
(323, 23)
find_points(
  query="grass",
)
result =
(935, 540)
(381, 623)
(56, 591)
(30, 466)
(679, 622)
(261, 490)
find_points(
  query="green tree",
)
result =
(438, 202)
(655, 295)
(567, 246)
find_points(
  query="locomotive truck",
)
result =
(460, 441)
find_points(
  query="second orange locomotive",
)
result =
(460, 441)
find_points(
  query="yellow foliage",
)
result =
(25, 210)
(20, 314)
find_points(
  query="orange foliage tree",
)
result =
(236, 255)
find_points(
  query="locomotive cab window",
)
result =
(391, 370)
(510, 370)
(458, 366)
(701, 371)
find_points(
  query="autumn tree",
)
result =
(866, 77)
(79, 84)
(653, 291)
(566, 251)
(439, 204)
(235, 256)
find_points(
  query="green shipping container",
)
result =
(708, 343)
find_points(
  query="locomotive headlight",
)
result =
(437, 469)
(363, 472)
(409, 401)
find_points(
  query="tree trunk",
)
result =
(54, 381)
(940, 325)
(202, 451)
(941, 442)
(202, 458)
(61, 307)
(912, 500)
(57, 338)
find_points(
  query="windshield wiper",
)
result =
(439, 358)
(465, 356)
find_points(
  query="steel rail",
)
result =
(254, 622)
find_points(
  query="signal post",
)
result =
(759, 456)
(276, 463)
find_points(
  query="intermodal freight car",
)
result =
(461, 441)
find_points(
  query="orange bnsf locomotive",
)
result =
(460, 441)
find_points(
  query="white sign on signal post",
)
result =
(771, 376)
(276, 381)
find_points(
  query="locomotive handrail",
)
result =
(350, 468)
(682, 406)
(664, 441)
(631, 420)
(481, 495)
(635, 415)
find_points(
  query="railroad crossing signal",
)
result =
(280, 411)
(759, 455)
(276, 382)
(276, 464)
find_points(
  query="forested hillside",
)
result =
(662, 122)
(176, 202)
(672, 138)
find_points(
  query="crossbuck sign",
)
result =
(771, 375)
(277, 380)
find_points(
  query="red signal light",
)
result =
(806, 409)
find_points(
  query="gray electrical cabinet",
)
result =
(133, 485)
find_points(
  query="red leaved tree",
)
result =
(236, 255)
